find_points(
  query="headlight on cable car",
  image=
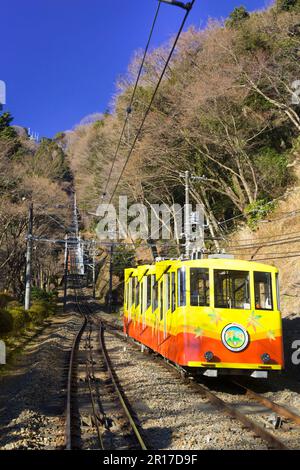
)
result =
(265, 357)
(209, 356)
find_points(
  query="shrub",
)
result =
(237, 17)
(39, 310)
(288, 5)
(257, 211)
(41, 294)
(19, 316)
(273, 170)
(4, 299)
(6, 322)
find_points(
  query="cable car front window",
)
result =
(263, 291)
(232, 289)
(199, 287)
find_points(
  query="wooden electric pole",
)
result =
(28, 259)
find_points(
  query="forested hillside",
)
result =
(226, 110)
(31, 173)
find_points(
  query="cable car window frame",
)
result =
(277, 291)
(206, 287)
(130, 283)
(154, 293)
(137, 292)
(181, 287)
(229, 287)
(173, 292)
(126, 296)
(142, 295)
(161, 300)
(149, 289)
(166, 292)
(133, 292)
(270, 287)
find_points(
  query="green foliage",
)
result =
(41, 294)
(257, 102)
(39, 311)
(43, 304)
(98, 124)
(5, 121)
(6, 131)
(257, 211)
(273, 170)
(288, 5)
(237, 17)
(251, 41)
(59, 136)
(49, 160)
(13, 317)
(18, 315)
(123, 258)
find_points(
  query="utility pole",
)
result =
(65, 272)
(187, 213)
(28, 258)
(76, 217)
(110, 278)
(187, 210)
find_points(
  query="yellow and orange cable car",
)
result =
(216, 315)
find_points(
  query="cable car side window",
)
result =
(181, 286)
(142, 295)
(133, 289)
(161, 300)
(137, 293)
(263, 291)
(148, 292)
(125, 296)
(154, 293)
(173, 292)
(232, 289)
(167, 291)
(199, 279)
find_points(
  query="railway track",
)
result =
(101, 385)
(270, 438)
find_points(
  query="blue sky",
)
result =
(60, 58)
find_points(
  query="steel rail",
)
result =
(247, 422)
(69, 410)
(85, 311)
(88, 375)
(112, 374)
(68, 428)
(279, 409)
(258, 430)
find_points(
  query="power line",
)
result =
(129, 109)
(153, 96)
(266, 244)
(269, 237)
(276, 257)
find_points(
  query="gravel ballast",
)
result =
(32, 395)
